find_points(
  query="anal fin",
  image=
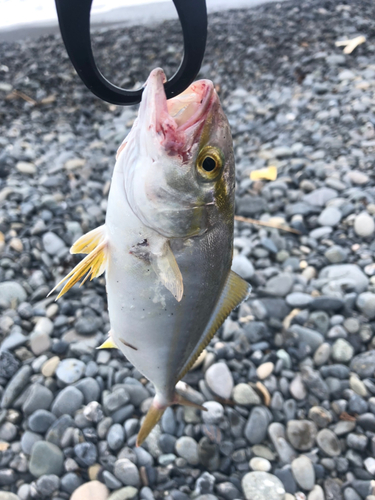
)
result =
(93, 265)
(235, 291)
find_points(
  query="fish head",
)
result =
(178, 161)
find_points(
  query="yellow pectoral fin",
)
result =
(88, 242)
(167, 270)
(108, 344)
(235, 291)
(93, 265)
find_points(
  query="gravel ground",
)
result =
(289, 380)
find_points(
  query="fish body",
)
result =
(167, 242)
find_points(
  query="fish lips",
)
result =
(176, 123)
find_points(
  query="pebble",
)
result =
(257, 424)
(265, 370)
(219, 379)
(366, 304)
(262, 486)
(243, 267)
(342, 351)
(127, 493)
(115, 437)
(86, 454)
(70, 370)
(127, 472)
(244, 394)
(93, 490)
(12, 291)
(52, 243)
(364, 364)
(68, 401)
(328, 442)
(364, 225)
(16, 385)
(330, 216)
(301, 434)
(187, 448)
(214, 413)
(303, 472)
(260, 464)
(46, 458)
(49, 367)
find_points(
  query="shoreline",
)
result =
(131, 15)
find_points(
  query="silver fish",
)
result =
(167, 242)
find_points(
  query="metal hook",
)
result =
(74, 21)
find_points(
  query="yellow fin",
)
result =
(108, 344)
(93, 265)
(88, 242)
(153, 416)
(165, 266)
(268, 174)
(235, 291)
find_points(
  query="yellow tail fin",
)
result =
(153, 416)
(155, 413)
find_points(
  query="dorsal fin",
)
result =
(235, 291)
(93, 265)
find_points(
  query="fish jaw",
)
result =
(175, 123)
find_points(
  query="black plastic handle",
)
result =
(74, 20)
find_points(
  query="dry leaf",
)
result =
(268, 174)
(351, 45)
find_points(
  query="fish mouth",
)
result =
(179, 121)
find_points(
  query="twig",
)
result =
(267, 224)
(18, 93)
(350, 45)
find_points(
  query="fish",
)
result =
(166, 246)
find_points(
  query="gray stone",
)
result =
(86, 454)
(68, 401)
(328, 442)
(87, 325)
(364, 364)
(8, 432)
(320, 196)
(111, 481)
(262, 486)
(330, 216)
(57, 429)
(310, 337)
(366, 304)
(46, 458)
(16, 385)
(345, 275)
(12, 291)
(299, 300)
(342, 351)
(52, 243)
(28, 440)
(257, 424)
(187, 448)
(70, 482)
(219, 379)
(214, 413)
(39, 397)
(280, 285)
(244, 394)
(47, 485)
(336, 254)
(115, 437)
(8, 364)
(127, 472)
(303, 472)
(41, 420)
(364, 225)
(70, 370)
(243, 267)
(301, 434)
(115, 400)
(168, 421)
(128, 493)
(89, 388)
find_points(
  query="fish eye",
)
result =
(209, 162)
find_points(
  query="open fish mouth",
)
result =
(178, 121)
